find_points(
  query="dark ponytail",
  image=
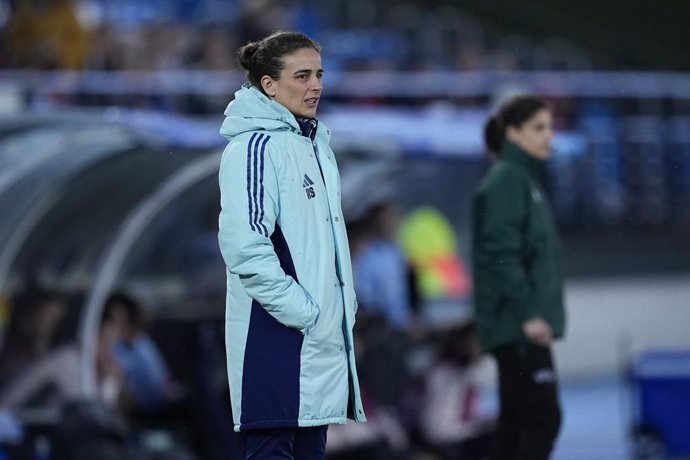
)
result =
(493, 135)
(265, 57)
(514, 112)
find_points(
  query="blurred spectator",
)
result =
(106, 52)
(46, 34)
(35, 317)
(129, 368)
(384, 319)
(470, 57)
(215, 49)
(146, 376)
(54, 377)
(430, 243)
(357, 237)
(380, 269)
(131, 377)
(382, 438)
(164, 46)
(263, 17)
(449, 421)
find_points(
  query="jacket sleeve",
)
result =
(250, 204)
(500, 214)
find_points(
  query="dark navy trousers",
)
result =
(287, 444)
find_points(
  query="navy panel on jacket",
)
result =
(270, 382)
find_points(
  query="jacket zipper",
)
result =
(323, 178)
(351, 396)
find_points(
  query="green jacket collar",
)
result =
(513, 154)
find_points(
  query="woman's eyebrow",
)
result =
(307, 71)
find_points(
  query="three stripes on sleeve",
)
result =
(255, 181)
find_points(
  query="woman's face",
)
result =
(299, 86)
(535, 134)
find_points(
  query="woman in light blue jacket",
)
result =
(290, 299)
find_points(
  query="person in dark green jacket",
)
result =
(518, 279)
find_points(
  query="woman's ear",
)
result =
(268, 85)
(512, 134)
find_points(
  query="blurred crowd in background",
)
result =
(358, 35)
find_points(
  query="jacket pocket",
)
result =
(311, 325)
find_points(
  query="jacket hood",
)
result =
(251, 110)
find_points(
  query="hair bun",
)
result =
(246, 55)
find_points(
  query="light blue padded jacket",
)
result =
(290, 298)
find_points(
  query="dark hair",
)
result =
(265, 57)
(513, 112)
(25, 306)
(131, 308)
(456, 342)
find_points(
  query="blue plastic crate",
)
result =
(662, 380)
